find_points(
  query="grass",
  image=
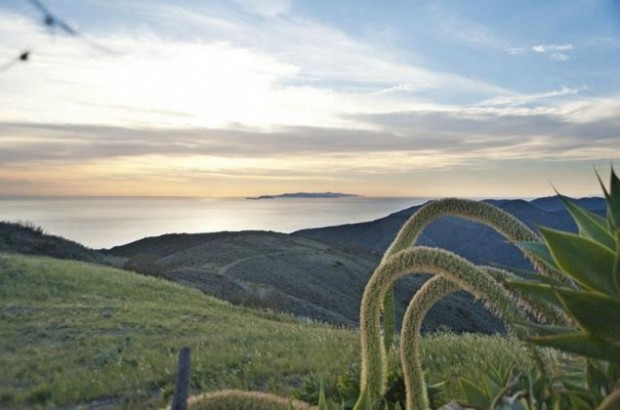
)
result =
(73, 333)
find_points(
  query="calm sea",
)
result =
(103, 222)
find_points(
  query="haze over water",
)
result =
(103, 222)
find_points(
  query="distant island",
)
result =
(306, 195)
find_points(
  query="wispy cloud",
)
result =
(558, 52)
(266, 7)
(284, 71)
(525, 99)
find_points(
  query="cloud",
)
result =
(524, 99)
(558, 52)
(546, 48)
(575, 130)
(266, 7)
(285, 71)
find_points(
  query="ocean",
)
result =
(103, 222)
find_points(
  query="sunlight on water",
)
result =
(107, 222)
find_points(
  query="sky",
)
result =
(248, 97)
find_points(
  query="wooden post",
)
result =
(179, 402)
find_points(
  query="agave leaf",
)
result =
(474, 395)
(540, 251)
(590, 225)
(586, 261)
(540, 291)
(612, 199)
(322, 400)
(582, 344)
(546, 330)
(363, 403)
(579, 402)
(530, 275)
(617, 262)
(596, 380)
(613, 202)
(596, 313)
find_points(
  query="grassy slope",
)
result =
(73, 332)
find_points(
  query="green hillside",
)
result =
(77, 333)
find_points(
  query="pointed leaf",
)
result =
(617, 262)
(540, 251)
(474, 395)
(590, 225)
(363, 402)
(596, 380)
(539, 291)
(535, 276)
(579, 403)
(322, 400)
(582, 344)
(545, 330)
(586, 261)
(596, 313)
(613, 201)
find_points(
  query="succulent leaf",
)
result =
(540, 251)
(584, 260)
(581, 343)
(546, 330)
(474, 395)
(616, 272)
(596, 313)
(540, 291)
(613, 201)
(590, 225)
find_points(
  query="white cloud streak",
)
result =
(557, 52)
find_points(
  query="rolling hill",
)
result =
(74, 333)
(321, 273)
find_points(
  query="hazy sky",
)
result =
(244, 97)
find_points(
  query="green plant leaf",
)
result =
(590, 225)
(617, 262)
(529, 275)
(612, 198)
(613, 202)
(540, 291)
(584, 260)
(474, 395)
(363, 402)
(596, 381)
(578, 402)
(322, 400)
(546, 330)
(596, 313)
(582, 344)
(540, 251)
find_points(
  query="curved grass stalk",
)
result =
(502, 222)
(419, 260)
(434, 290)
(244, 400)
(541, 310)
